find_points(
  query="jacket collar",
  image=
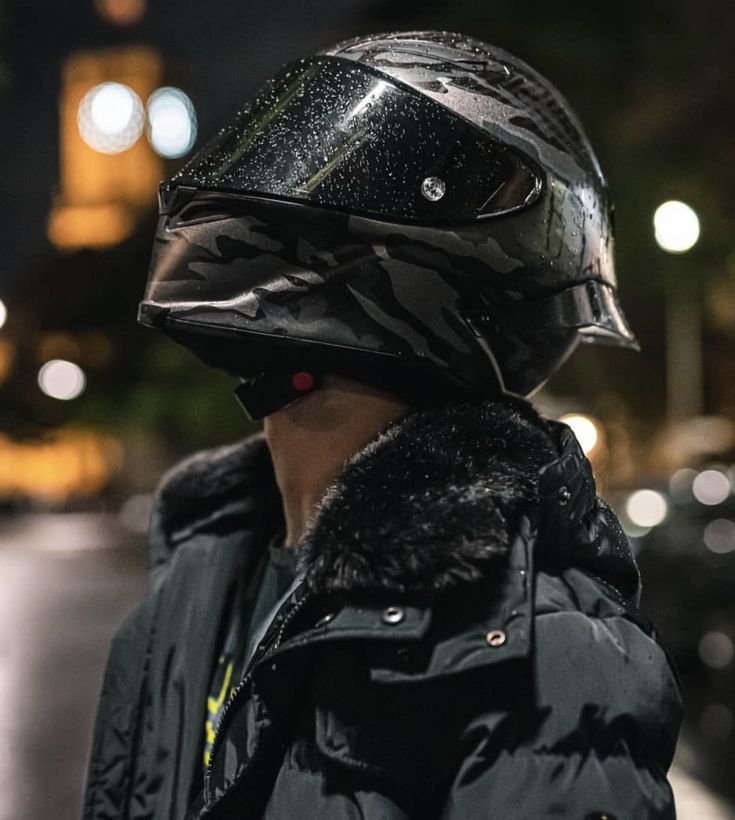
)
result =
(432, 502)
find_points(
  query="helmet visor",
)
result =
(343, 136)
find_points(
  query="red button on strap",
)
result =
(302, 381)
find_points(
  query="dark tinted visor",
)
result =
(339, 135)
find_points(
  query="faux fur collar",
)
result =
(431, 502)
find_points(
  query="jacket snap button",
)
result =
(393, 614)
(324, 620)
(564, 496)
(495, 637)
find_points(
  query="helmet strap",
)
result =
(274, 389)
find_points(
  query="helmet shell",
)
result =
(567, 237)
(253, 280)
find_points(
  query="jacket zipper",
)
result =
(298, 606)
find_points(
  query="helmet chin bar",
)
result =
(274, 389)
(275, 371)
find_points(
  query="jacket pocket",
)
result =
(378, 731)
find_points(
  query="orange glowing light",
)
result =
(57, 346)
(89, 226)
(120, 12)
(102, 195)
(93, 348)
(71, 463)
(7, 357)
(97, 349)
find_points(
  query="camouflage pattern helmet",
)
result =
(420, 210)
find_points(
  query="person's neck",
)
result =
(311, 440)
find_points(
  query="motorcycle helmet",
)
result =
(417, 210)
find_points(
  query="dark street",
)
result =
(68, 581)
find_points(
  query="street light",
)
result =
(110, 118)
(646, 508)
(3, 313)
(62, 380)
(711, 487)
(676, 230)
(585, 429)
(676, 226)
(172, 122)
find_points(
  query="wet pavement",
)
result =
(68, 580)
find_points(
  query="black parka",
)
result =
(464, 642)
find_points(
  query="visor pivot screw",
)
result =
(302, 382)
(433, 188)
(393, 614)
(495, 637)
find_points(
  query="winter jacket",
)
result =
(464, 642)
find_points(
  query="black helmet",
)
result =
(420, 211)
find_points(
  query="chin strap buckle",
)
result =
(274, 389)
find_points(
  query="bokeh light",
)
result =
(3, 313)
(585, 429)
(111, 118)
(711, 487)
(62, 380)
(716, 721)
(8, 352)
(716, 649)
(719, 536)
(172, 122)
(676, 226)
(680, 484)
(120, 12)
(68, 462)
(646, 508)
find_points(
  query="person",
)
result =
(403, 598)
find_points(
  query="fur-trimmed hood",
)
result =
(431, 502)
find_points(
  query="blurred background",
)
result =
(101, 99)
